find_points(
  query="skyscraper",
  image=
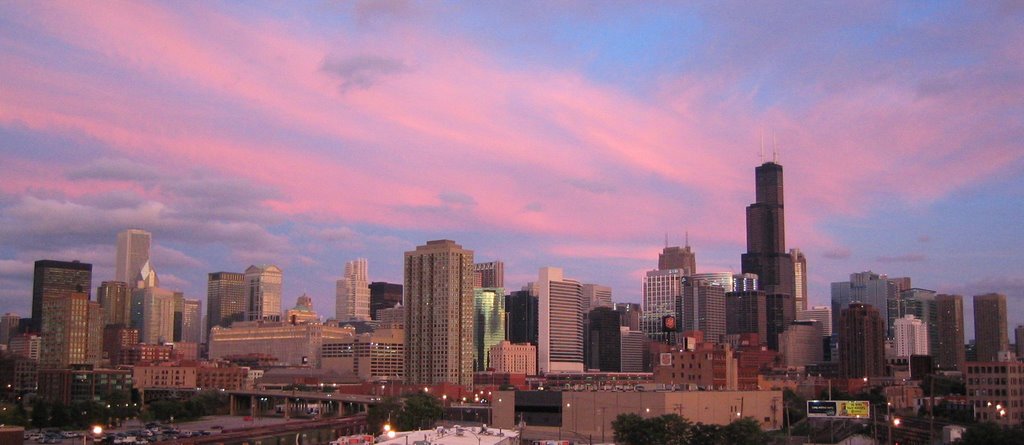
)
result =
(439, 314)
(490, 274)
(766, 233)
(522, 317)
(911, 337)
(868, 287)
(72, 331)
(801, 345)
(225, 299)
(676, 257)
(57, 278)
(991, 334)
(596, 295)
(132, 253)
(153, 313)
(603, 348)
(704, 309)
(819, 313)
(661, 297)
(1018, 340)
(560, 333)
(384, 296)
(861, 342)
(263, 297)
(489, 322)
(116, 301)
(949, 351)
(799, 279)
(353, 292)
(8, 327)
(192, 321)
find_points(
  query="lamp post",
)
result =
(895, 423)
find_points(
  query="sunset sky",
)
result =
(570, 134)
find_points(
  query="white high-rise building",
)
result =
(153, 313)
(560, 324)
(911, 337)
(192, 321)
(132, 253)
(821, 314)
(263, 292)
(353, 292)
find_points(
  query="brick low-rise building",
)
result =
(996, 386)
(82, 384)
(514, 358)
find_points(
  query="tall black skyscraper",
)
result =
(766, 234)
(57, 278)
(383, 296)
(521, 316)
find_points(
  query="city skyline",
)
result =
(576, 139)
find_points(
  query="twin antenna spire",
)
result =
(775, 148)
(687, 239)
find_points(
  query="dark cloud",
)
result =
(16, 269)
(116, 169)
(457, 199)
(363, 71)
(924, 239)
(595, 187)
(839, 253)
(905, 258)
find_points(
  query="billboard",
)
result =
(668, 323)
(665, 359)
(844, 409)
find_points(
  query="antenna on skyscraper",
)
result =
(761, 154)
(666, 240)
(687, 238)
(775, 149)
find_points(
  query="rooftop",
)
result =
(456, 436)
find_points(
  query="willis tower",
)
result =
(766, 234)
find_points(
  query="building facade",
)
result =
(72, 331)
(596, 295)
(514, 358)
(766, 233)
(290, 344)
(662, 296)
(560, 328)
(263, 292)
(155, 312)
(801, 345)
(53, 278)
(133, 247)
(225, 299)
(490, 274)
(352, 293)
(861, 342)
(439, 314)
(116, 300)
(990, 329)
(949, 351)
(384, 295)
(681, 258)
(911, 337)
(375, 356)
(488, 323)
(521, 314)
(704, 308)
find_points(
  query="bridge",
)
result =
(298, 403)
(300, 432)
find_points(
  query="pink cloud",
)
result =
(454, 118)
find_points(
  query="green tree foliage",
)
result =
(380, 413)
(13, 414)
(671, 429)
(420, 410)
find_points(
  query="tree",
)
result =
(40, 414)
(706, 434)
(745, 431)
(380, 413)
(420, 410)
(629, 429)
(989, 433)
